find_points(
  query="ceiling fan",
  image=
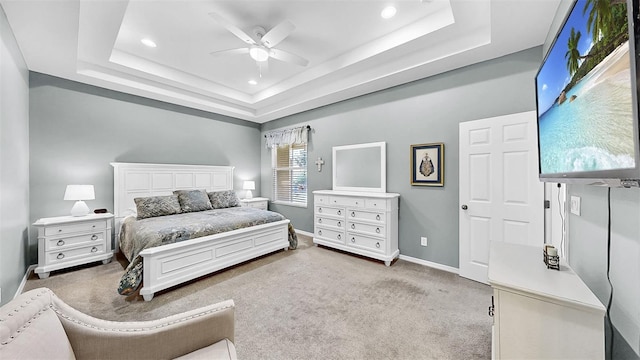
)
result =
(261, 45)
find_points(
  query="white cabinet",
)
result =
(361, 223)
(541, 313)
(257, 202)
(67, 241)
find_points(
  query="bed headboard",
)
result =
(132, 180)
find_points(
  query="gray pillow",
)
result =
(223, 199)
(157, 206)
(193, 200)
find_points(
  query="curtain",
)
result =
(277, 138)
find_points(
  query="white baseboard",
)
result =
(24, 280)
(302, 232)
(430, 264)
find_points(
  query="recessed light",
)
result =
(388, 12)
(253, 82)
(148, 42)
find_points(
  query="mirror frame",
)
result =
(382, 146)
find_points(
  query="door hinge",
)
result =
(547, 204)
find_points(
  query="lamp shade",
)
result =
(249, 185)
(79, 192)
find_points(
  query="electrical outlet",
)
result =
(575, 205)
(423, 241)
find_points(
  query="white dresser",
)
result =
(541, 313)
(67, 241)
(357, 222)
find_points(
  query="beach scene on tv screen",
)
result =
(585, 112)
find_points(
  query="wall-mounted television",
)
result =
(587, 97)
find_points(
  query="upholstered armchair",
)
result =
(38, 325)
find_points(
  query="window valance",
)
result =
(278, 138)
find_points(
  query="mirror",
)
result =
(360, 167)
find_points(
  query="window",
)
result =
(289, 164)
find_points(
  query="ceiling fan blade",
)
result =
(278, 33)
(288, 57)
(233, 29)
(230, 52)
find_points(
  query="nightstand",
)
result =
(67, 241)
(256, 202)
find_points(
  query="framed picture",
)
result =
(427, 164)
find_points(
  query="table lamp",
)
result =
(79, 193)
(249, 185)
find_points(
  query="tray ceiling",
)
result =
(351, 49)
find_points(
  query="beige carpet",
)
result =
(311, 303)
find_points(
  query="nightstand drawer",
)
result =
(258, 205)
(56, 244)
(68, 255)
(71, 228)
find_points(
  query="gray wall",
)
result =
(14, 162)
(588, 256)
(424, 111)
(76, 130)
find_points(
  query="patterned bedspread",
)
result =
(137, 235)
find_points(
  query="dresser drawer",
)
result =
(376, 204)
(330, 211)
(68, 255)
(328, 234)
(324, 221)
(346, 201)
(71, 228)
(56, 244)
(374, 230)
(321, 199)
(366, 215)
(365, 242)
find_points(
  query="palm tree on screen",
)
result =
(573, 54)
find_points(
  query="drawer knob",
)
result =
(319, 210)
(378, 230)
(353, 226)
(378, 245)
(339, 236)
(353, 214)
(94, 237)
(319, 221)
(60, 242)
(319, 232)
(60, 256)
(339, 212)
(353, 239)
(59, 230)
(377, 217)
(339, 223)
(94, 226)
(94, 249)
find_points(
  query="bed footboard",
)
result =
(170, 265)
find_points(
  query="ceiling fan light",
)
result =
(259, 53)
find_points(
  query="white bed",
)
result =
(173, 264)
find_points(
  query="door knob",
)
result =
(464, 207)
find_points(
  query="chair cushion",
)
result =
(30, 329)
(222, 350)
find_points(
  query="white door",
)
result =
(501, 198)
